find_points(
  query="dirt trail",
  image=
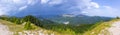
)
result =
(115, 29)
(4, 30)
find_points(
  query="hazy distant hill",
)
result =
(79, 19)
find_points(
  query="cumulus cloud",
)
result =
(96, 5)
(44, 1)
(56, 7)
(10, 6)
(66, 6)
(23, 7)
(53, 2)
(105, 11)
(76, 7)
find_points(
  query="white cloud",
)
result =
(18, 1)
(1, 12)
(105, 11)
(51, 2)
(22, 8)
(30, 1)
(4, 9)
(71, 6)
(108, 7)
(54, 2)
(94, 9)
(95, 5)
(9, 6)
(86, 7)
(44, 1)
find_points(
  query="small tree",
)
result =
(32, 19)
(28, 26)
(17, 21)
(117, 17)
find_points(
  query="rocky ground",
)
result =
(115, 28)
(4, 30)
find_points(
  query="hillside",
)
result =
(31, 25)
(14, 29)
(106, 28)
(76, 20)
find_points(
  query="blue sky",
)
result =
(114, 3)
(106, 8)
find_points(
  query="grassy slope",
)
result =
(20, 28)
(15, 28)
(101, 28)
(12, 27)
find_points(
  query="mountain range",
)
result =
(74, 19)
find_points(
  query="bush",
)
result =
(117, 17)
(28, 26)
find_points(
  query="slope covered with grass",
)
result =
(19, 29)
(102, 28)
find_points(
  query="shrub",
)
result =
(28, 26)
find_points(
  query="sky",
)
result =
(105, 8)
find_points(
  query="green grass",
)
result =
(20, 28)
(12, 26)
(101, 28)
